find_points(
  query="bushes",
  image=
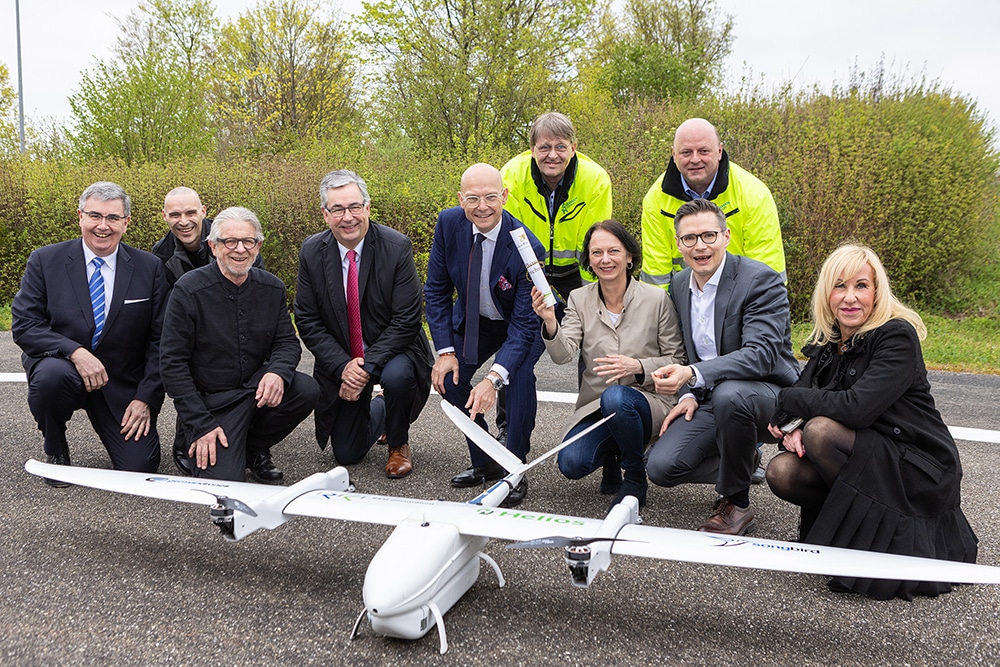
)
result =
(909, 170)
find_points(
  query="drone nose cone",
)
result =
(411, 566)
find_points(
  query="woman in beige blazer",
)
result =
(624, 329)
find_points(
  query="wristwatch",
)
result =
(495, 380)
(694, 378)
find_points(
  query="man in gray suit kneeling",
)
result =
(737, 333)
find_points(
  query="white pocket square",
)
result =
(128, 301)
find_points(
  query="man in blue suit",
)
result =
(88, 318)
(473, 256)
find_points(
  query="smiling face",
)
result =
(852, 300)
(347, 214)
(608, 258)
(552, 155)
(184, 212)
(100, 234)
(697, 152)
(483, 196)
(703, 258)
(235, 263)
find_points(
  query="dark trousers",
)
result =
(522, 401)
(251, 430)
(717, 446)
(56, 391)
(358, 424)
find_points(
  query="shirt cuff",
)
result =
(502, 372)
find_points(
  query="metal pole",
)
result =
(20, 82)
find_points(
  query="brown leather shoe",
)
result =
(730, 520)
(400, 464)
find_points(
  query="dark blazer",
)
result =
(391, 314)
(753, 328)
(447, 273)
(52, 317)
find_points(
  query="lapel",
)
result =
(76, 271)
(502, 252)
(727, 284)
(680, 286)
(333, 269)
(123, 277)
(365, 268)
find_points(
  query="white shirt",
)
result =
(703, 319)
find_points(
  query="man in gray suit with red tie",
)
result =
(87, 319)
(478, 300)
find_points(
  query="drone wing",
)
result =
(470, 519)
(152, 485)
(699, 547)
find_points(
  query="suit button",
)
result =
(852, 372)
(896, 430)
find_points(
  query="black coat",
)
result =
(899, 491)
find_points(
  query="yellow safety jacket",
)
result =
(751, 216)
(581, 199)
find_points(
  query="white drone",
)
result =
(443, 542)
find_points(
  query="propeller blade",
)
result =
(230, 503)
(557, 541)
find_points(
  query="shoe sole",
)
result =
(56, 484)
(261, 480)
(397, 476)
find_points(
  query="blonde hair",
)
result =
(843, 263)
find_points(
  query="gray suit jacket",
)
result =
(753, 331)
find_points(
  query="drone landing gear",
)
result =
(222, 517)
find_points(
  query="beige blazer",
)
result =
(647, 330)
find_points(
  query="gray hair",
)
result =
(107, 191)
(340, 178)
(552, 124)
(700, 206)
(235, 213)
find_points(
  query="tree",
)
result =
(149, 102)
(283, 77)
(458, 75)
(9, 139)
(662, 49)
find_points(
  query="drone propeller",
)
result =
(558, 541)
(230, 503)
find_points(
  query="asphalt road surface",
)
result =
(91, 577)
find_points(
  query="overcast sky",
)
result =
(778, 40)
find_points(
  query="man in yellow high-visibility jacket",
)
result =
(558, 194)
(700, 169)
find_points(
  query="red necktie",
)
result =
(354, 306)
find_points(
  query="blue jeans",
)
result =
(625, 435)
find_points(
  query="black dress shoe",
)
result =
(476, 475)
(60, 459)
(502, 434)
(516, 495)
(262, 469)
(758, 469)
(183, 463)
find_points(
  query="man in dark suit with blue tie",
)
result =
(87, 319)
(473, 257)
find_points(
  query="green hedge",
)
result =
(911, 172)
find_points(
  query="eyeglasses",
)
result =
(232, 244)
(545, 149)
(94, 216)
(473, 200)
(691, 240)
(340, 211)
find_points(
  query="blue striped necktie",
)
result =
(97, 299)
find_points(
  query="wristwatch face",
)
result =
(497, 382)
(694, 378)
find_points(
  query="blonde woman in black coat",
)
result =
(871, 463)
